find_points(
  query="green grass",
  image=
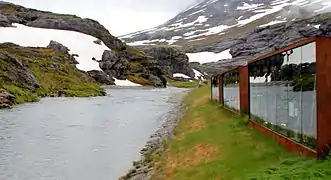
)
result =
(212, 143)
(22, 95)
(182, 84)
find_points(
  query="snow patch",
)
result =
(272, 23)
(265, 12)
(317, 26)
(181, 76)
(78, 43)
(206, 57)
(197, 74)
(125, 83)
(248, 6)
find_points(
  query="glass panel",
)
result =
(308, 88)
(215, 93)
(231, 89)
(258, 91)
(283, 93)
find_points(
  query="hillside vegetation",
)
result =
(212, 143)
(29, 73)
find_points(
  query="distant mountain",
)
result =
(224, 25)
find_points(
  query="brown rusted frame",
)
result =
(284, 141)
(323, 95)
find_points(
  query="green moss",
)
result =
(134, 51)
(22, 95)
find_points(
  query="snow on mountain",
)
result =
(210, 21)
(78, 43)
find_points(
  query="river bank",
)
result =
(143, 169)
(212, 143)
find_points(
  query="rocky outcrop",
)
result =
(134, 65)
(11, 13)
(15, 69)
(29, 73)
(101, 77)
(171, 59)
(6, 99)
(58, 47)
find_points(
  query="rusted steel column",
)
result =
(243, 89)
(220, 88)
(323, 99)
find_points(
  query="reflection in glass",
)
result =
(231, 89)
(283, 93)
(215, 93)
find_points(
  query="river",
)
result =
(80, 138)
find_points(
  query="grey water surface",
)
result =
(80, 138)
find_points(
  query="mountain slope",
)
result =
(245, 28)
(212, 20)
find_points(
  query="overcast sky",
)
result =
(119, 16)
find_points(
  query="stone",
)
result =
(58, 47)
(6, 99)
(101, 77)
(109, 58)
(98, 41)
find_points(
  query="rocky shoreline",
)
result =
(144, 169)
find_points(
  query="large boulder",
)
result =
(101, 77)
(6, 99)
(58, 47)
(171, 59)
(109, 59)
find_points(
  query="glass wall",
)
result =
(231, 89)
(283, 93)
(214, 88)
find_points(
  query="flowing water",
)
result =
(80, 138)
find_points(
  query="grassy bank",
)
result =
(182, 84)
(211, 143)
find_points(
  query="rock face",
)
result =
(132, 64)
(58, 47)
(101, 77)
(6, 99)
(18, 70)
(171, 59)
